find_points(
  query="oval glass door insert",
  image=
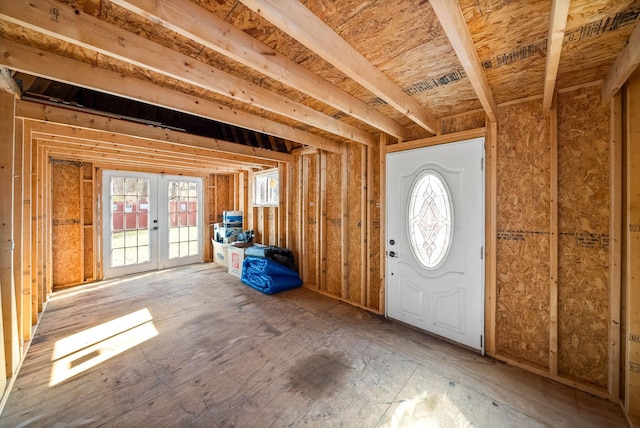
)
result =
(430, 219)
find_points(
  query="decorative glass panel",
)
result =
(430, 219)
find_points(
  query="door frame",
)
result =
(489, 134)
(159, 258)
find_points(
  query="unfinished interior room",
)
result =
(320, 212)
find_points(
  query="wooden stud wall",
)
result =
(632, 250)
(336, 225)
(73, 234)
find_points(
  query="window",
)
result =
(430, 219)
(266, 188)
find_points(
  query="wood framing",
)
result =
(454, 25)
(491, 208)
(196, 23)
(553, 239)
(95, 34)
(10, 336)
(615, 250)
(557, 25)
(300, 23)
(632, 239)
(625, 64)
(440, 139)
(28, 59)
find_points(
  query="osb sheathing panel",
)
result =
(522, 253)
(67, 263)
(87, 197)
(222, 192)
(463, 122)
(88, 255)
(272, 215)
(596, 31)
(332, 214)
(583, 225)
(356, 182)
(511, 40)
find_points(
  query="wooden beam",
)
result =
(88, 121)
(439, 139)
(382, 277)
(26, 237)
(557, 26)
(29, 60)
(89, 139)
(7, 286)
(300, 23)
(553, 240)
(101, 157)
(624, 65)
(198, 24)
(7, 84)
(83, 30)
(615, 249)
(491, 236)
(454, 25)
(18, 196)
(632, 250)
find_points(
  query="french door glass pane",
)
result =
(183, 218)
(129, 221)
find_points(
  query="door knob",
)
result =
(155, 228)
(393, 254)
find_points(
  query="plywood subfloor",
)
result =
(193, 346)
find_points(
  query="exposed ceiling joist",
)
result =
(557, 26)
(29, 60)
(300, 23)
(58, 115)
(455, 27)
(196, 23)
(98, 155)
(124, 144)
(91, 33)
(625, 64)
(7, 84)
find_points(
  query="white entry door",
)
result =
(435, 240)
(150, 222)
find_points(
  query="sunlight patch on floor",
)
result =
(81, 351)
(428, 411)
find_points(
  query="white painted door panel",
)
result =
(441, 292)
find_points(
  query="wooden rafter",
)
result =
(625, 64)
(196, 23)
(29, 60)
(91, 33)
(557, 26)
(295, 19)
(450, 16)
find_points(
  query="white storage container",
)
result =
(220, 253)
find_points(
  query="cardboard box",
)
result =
(220, 253)
(236, 257)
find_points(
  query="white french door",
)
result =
(435, 240)
(150, 222)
